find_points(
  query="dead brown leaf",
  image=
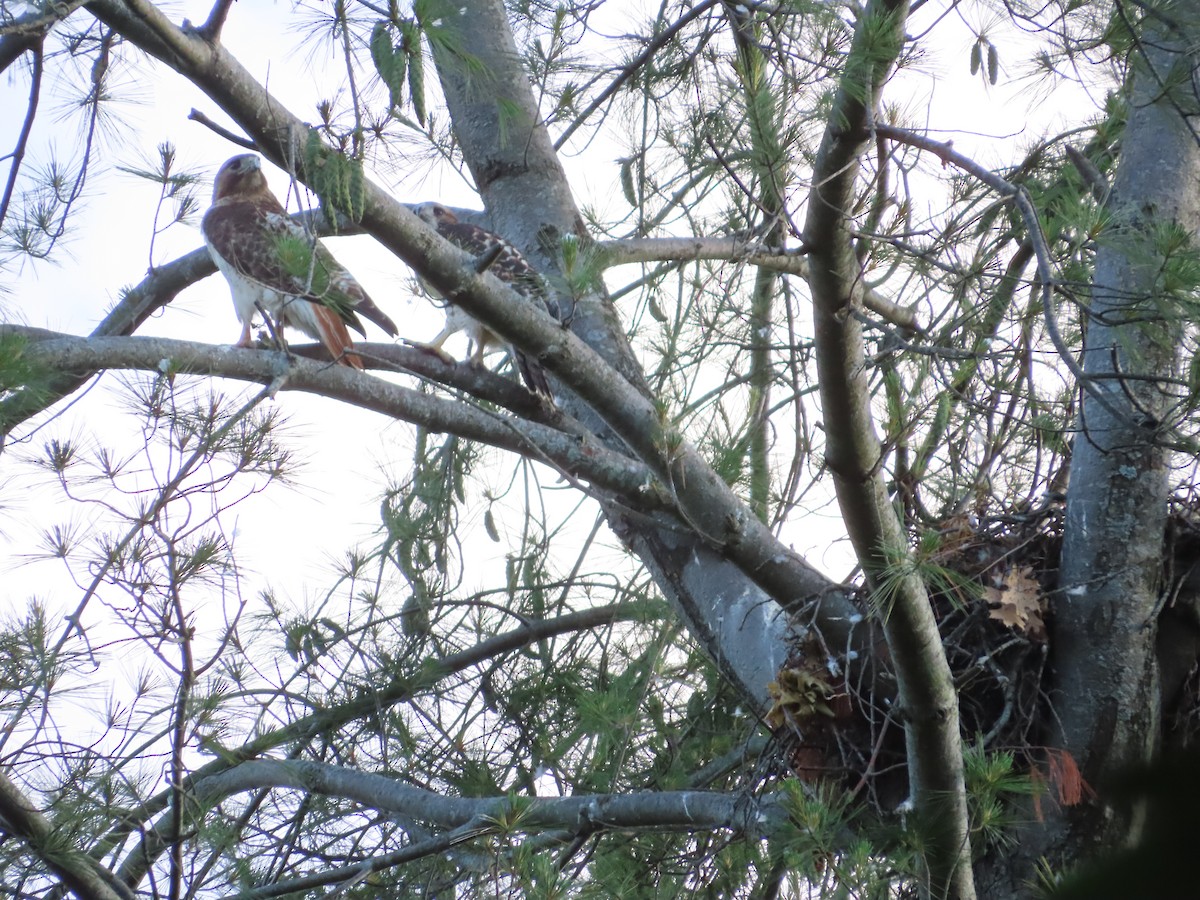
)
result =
(1018, 602)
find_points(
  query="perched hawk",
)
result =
(272, 263)
(509, 266)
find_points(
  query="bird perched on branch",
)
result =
(274, 265)
(506, 263)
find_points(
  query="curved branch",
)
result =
(574, 453)
(468, 818)
(25, 32)
(18, 154)
(853, 451)
(369, 703)
(1019, 196)
(659, 810)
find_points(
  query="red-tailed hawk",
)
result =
(509, 266)
(273, 264)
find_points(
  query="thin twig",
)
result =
(640, 60)
(1019, 196)
(196, 116)
(18, 154)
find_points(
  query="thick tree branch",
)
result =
(13, 46)
(164, 283)
(853, 451)
(727, 589)
(79, 872)
(572, 452)
(468, 818)
(1111, 574)
(23, 33)
(658, 810)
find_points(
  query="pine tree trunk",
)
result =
(1106, 697)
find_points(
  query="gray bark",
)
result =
(525, 191)
(607, 471)
(730, 578)
(1106, 694)
(1116, 508)
(667, 810)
